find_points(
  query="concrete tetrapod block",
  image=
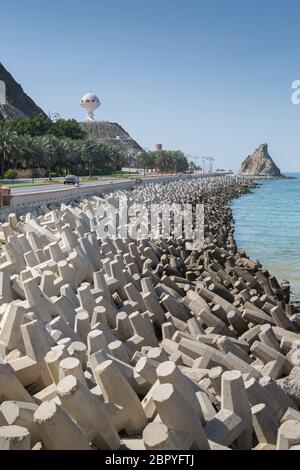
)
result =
(118, 350)
(101, 284)
(96, 341)
(168, 372)
(134, 296)
(57, 430)
(27, 371)
(83, 325)
(143, 327)
(236, 321)
(35, 340)
(225, 345)
(124, 325)
(215, 375)
(281, 319)
(259, 395)
(14, 438)
(10, 387)
(267, 337)
(21, 414)
(99, 315)
(37, 301)
(232, 362)
(58, 323)
(290, 385)
(65, 309)
(288, 435)
(265, 426)
(89, 413)
(157, 436)
(225, 427)
(167, 400)
(86, 299)
(290, 414)
(79, 350)
(71, 366)
(36, 347)
(116, 390)
(147, 369)
(10, 326)
(234, 398)
(53, 359)
(278, 394)
(267, 354)
(207, 408)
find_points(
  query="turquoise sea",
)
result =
(267, 227)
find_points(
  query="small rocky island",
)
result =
(260, 164)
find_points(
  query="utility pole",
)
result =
(52, 117)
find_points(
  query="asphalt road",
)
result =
(58, 187)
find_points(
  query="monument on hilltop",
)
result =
(90, 102)
(110, 133)
(15, 103)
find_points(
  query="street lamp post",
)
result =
(195, 162)
(52, 117)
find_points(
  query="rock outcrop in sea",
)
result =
(18, 104)
(260, 163)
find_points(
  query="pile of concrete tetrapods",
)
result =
(143, 344)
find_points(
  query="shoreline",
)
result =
(265, 177)
(258, 250)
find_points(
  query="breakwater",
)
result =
(104, 338)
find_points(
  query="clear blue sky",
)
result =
(205, 76)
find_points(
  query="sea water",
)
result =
(267, 227)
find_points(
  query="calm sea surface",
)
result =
(267, 227)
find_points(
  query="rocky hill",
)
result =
(18, 104)
(113, 134)
(260, 163)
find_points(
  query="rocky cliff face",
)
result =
(18, 104)
(260, 163)
(112, 133)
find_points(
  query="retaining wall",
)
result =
(29, 202)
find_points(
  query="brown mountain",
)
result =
(260, 163)
(112, 133)
(18, 104)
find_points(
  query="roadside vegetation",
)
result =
(39, 147)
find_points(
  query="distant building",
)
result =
(158, 147)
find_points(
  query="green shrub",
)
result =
(10, 174)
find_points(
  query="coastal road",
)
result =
(19, 190)
(58, 187)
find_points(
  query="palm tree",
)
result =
(116, 158)
(68, 152)
(8, 146)
(48, 146)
